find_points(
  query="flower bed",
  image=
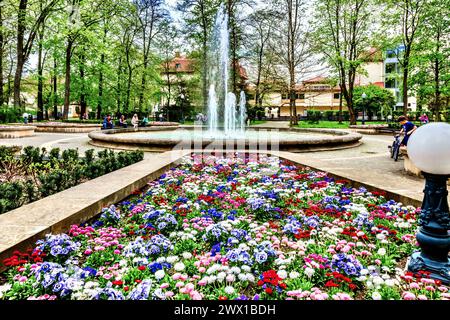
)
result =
(225, 229)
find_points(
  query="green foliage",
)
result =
(378, 100)
(8, 115)
(47, 176)
(10, 195)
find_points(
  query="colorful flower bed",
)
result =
(232, 229)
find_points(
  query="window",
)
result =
(300, 96)
(285, 95)
(177, 66)
(390, 68)
(336, 96)
(390, 83)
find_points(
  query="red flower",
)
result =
(223, 298)
(138, 281)
(283, 285)
(142, 268)
(260, 283)
(269, 290)
(126, 288)
(330, 284)
(117, 282)
(352, 286)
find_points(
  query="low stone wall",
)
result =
(63, 127)
(11, 132)
(368, 128)
(408, 164)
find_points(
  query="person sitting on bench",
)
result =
(107, 122)
(123, 122)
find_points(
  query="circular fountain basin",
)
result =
(168, 138)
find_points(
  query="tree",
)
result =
(342, 36)
(377, 101)
(258, 37)
(168, 48)
(199, 18)
(150, 15)
(29, 21)
(431, 63)
(408, 16)
(291, 44)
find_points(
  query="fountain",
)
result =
(219, 64)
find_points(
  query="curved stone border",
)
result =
(67, 127)
(336, 139)
(11, 132)
(370, 128)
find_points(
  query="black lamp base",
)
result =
(439, 270)
(433, 236)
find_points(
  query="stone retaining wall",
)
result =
(11, 132)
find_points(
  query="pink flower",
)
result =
(164, 285)
(202, 282)
(87, 252)
(414, 285)
(408, 295)
(169, 294)
(346, 249)
(176, 276)
(116, 251)
(422, 297)
(189, 287)
(378, 261)
(179, 284)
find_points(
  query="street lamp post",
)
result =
(429, 150)
(364, 96)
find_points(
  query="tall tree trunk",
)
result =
(143, 83)
(405, 89)
(40, 100)
(67, 82)
(204, 25)
(83, 103)
(100, 87)
(20, 51)
(340, 105)
(100, 77)
(437, 90)
(127, 101)
(405, 77)
(204, 75)
(119, 75)
(55, 89)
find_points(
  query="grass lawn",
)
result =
(258, 122)
(332, 124)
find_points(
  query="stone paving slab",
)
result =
(21, 227)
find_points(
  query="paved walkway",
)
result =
(369, 163)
